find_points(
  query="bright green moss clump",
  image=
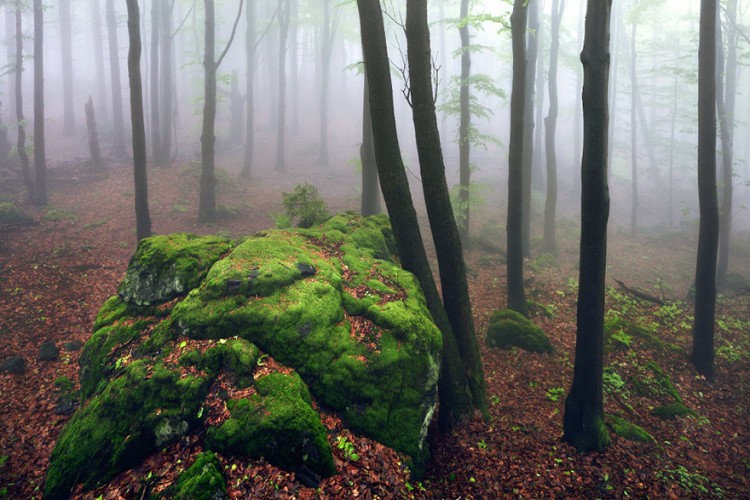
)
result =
(628, 430)
(510, 329)
(201, 481)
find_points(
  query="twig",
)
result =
(639, 294)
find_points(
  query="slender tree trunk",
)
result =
(437, 200)
(370, 185)
(155, 104)
(142, 217)
(118, 123)
(538, 156)
(97, 42)
(167, 84)
(281, 121)
(672, 133)
(20, 120)
(702, 355)
(326, 49)
(464, 129)
(726, 98)
(207, 206)
(578, 137)
(531, 52)
(250, 48)
(10, 46)
(40, 158)
(583, 421)
(550, 205)
(633, 131)
(516, 294)
(69, 121)
(453, 387)
(294, 62)
(96, 152)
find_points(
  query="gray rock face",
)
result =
(13, 364)
(49, 351)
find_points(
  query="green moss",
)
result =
(167, 266)
(655, 384)
(278, 424)
(203, 480)
(141, 409)
(544, 261)
(628, 430)
(672, 411)
(511, 329)
(11, 214)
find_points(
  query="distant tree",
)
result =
(97, 41)
(40, 158)
(531, 54)
(443, 225)
(118, 121)
(154, 88)
(370, 186)
(28, 176)
(464, 126)
(702, 355)
(633, 128)
(326, 39)
(251, 47)
(550, 239)
(284, 13)
(453, 387)
(583, 422)
(142, 217)
(207, 200)
(166, 99)
(516, 294)
(69, 121)
(94, 149)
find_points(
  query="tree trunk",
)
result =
(550, 205)
(10, 46)
(633, 132)
(437, 200)
(583, 422)
(726, 96)
(702, 355)
(250, 48)
(672, 133)
(118, 123)
(294, 62)
(464, 129)
(142, 218)
(155, 104)
(20, 120)
(94, 149)
(207, 204)
(326, 48)
(40, 159)
(167, 84)
(370, 186)
(453, 388)
(577, 136)
(97, 41)
(281, 121)
(530, 55)
(514, 228)
(69, 121)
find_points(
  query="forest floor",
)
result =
(55, 274)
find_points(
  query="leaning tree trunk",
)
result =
(550, 205)
(370, 187)
(702, 355)
(437, 200)
(464, 128)
(118, 123)
(69, 121)
(514, 228)
(40, 159)
(20, 120)
(142, 217)
(453, 387)
(583, 422)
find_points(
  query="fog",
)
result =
(666, 47)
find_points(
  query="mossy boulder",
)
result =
(628, 430)
(203, 480)
(511, 329)
(232, 341)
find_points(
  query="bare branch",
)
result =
(231, 37)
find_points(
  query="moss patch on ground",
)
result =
(511, 329)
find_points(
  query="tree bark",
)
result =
(702, 355)
(40, 158)
(550, 205)
(155, 103)
(370, 186)
(437, 200)
(453, 388)
(167, 84)
(250, 48)
(207, 204)
(281, 112)
(583, 422)
(118, 123)
(142, 217)
(28, 177)
(514, 227)
(69, 121)
(464, 129)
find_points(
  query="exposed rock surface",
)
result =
(233, 340)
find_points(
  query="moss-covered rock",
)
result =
(511, 329)
(672, 410)
(164, 267)
(340, 322)
(203, 480)
(628, 430)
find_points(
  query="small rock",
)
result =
(13, 364)
(48, 351)
(306, 270)
(73, 345)
(65, 406)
